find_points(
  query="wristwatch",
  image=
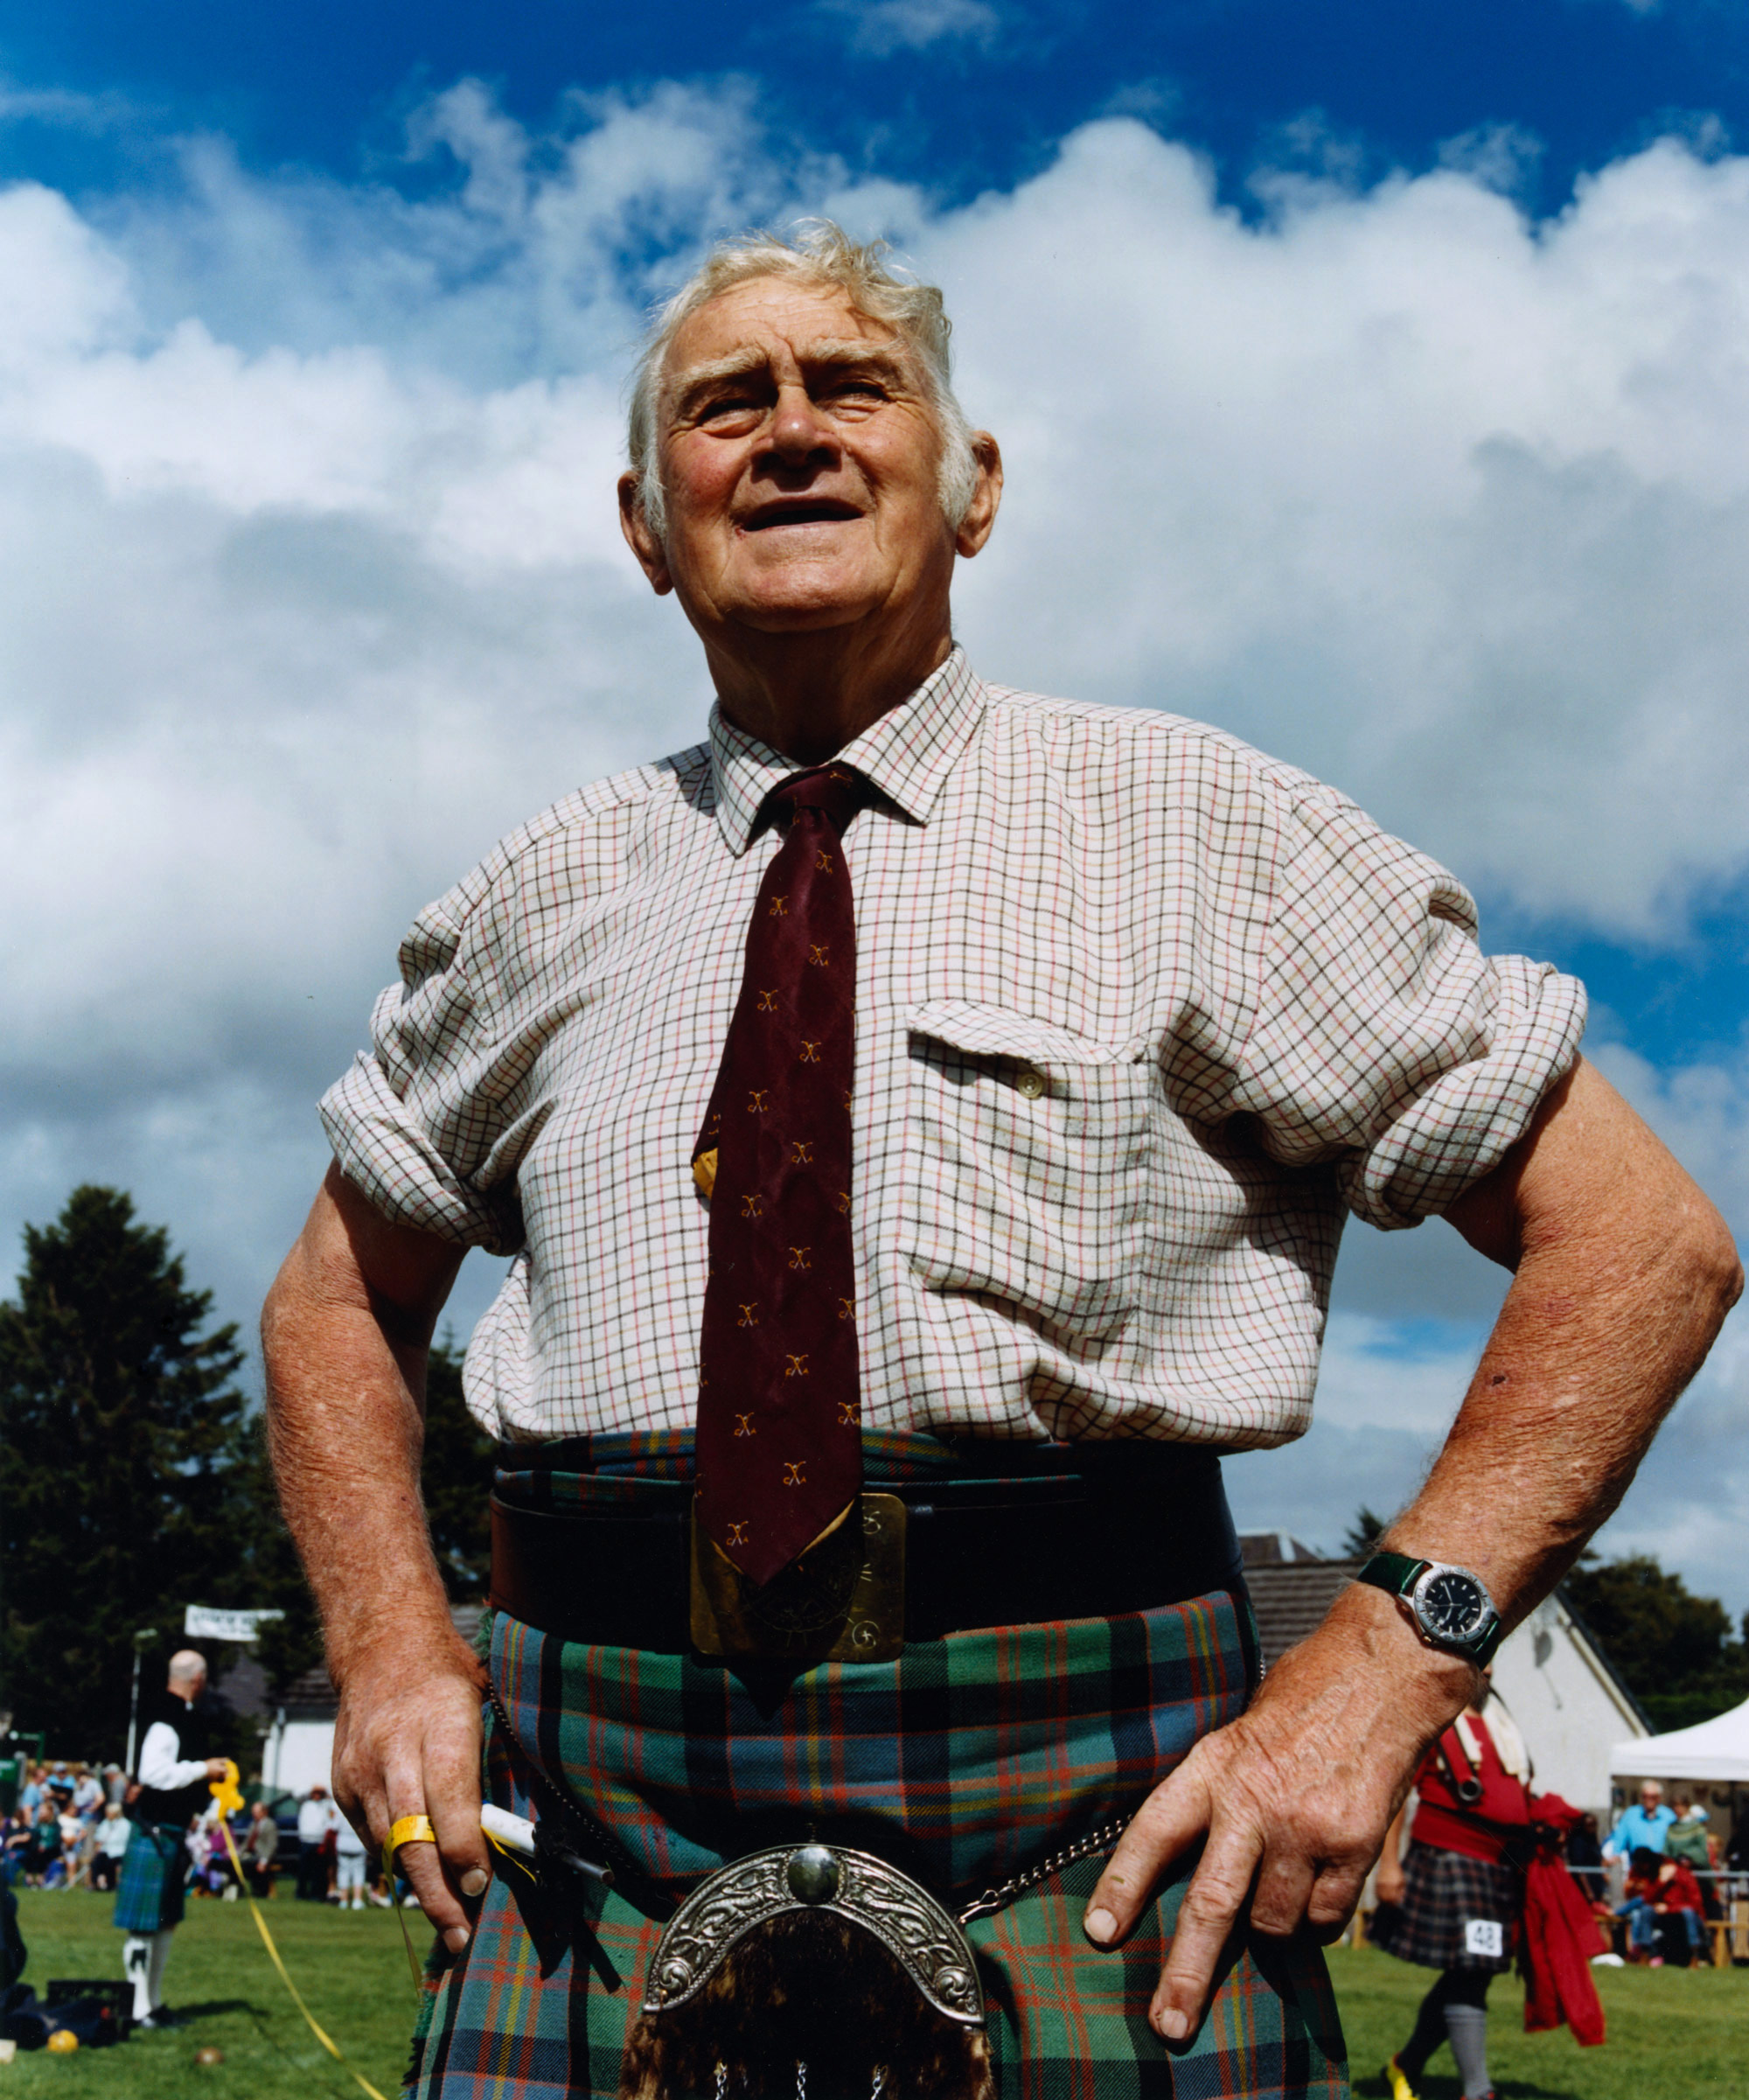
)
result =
(1449, 1607)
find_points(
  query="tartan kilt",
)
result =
(963, 1761)
(150, 1892)
(1442, 1892)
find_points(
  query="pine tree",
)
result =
(121, 1496)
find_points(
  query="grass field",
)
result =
(1673, 2034)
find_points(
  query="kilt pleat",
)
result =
(964, 1761)
(150, 1890)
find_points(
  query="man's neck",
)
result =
(807, 695)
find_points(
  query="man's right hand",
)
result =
(1389, 1885)
(408, 1743)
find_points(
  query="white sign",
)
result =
(207, 1624)
(1483, 1936)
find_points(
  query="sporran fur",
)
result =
(808, 1987)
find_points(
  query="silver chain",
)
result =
(993, 1900)
(801, 2080)
(721, 2081)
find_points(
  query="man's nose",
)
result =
(798, 431)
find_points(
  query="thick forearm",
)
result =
(345, 1430)
(1600, 1333)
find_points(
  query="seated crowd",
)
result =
(1673, 1886)
(70, 1828)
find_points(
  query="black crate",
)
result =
(118, 1996)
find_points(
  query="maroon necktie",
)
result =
(779, 1433)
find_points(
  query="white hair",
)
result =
(822, 256)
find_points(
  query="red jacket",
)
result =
(1475, 1811)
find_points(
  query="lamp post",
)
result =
(142, 1640)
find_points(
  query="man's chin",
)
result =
(794, 602)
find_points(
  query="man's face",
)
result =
(1649, 1798)
(800, 457)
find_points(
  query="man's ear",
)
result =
(652, 556)
(987, 498)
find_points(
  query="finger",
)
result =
(1172, 1818)
(1206, 1916)
(452, 1801)
(419, 1863)
(1335, 1895)
(419, 1860)
(1283, 1889)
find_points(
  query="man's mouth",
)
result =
(813, 510)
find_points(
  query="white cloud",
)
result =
(310, 581)
(878, 28)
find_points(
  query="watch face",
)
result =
(1450, 1604)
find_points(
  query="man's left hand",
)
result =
(1294, 1797)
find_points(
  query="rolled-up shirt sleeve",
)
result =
(417, 1122)
(1385, 1043)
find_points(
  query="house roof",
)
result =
(1291, 1597)
(312, 1697)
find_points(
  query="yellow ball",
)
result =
(63, 2041)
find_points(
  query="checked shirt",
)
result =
(1140, 1014)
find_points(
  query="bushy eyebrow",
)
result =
(827, 352)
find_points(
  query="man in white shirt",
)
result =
(316, 1817)
(174, 1773)
(1139, 1015)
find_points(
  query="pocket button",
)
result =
(1030, 1084)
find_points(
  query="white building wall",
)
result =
(1566, 1705)
(299, 1754)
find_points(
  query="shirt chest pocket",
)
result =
(1031, 1159)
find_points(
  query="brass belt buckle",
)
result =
(842, 1601)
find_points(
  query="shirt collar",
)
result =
(907, 754)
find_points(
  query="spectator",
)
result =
(197, 1842)
(1641, 1827)
(1686, 1838)
(315, 1825)
(31, 1794)
(115, 1784)
(113, 1832)
(259, 1849)
(15, 1837)
(44, 1851)
(349, 1865)
(1585, 1857)
(87, 1792)
(1677, 1895)
(1635, 1907)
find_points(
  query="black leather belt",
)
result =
(1141, 1526)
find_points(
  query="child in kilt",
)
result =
(1453, 1901)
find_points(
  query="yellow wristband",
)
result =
(410, 1829)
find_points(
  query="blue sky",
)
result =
(1386, 364)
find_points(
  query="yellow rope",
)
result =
(326, 2039)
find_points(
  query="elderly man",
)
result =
(925, 1107)
(1643, 1825)
(175, 1772)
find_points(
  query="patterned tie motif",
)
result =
(779, 1434)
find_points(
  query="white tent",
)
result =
(1716, 1749)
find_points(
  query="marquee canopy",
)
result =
(1716, 1749)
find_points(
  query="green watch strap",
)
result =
(1395, 1573)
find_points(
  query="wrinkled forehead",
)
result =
(774, 320)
